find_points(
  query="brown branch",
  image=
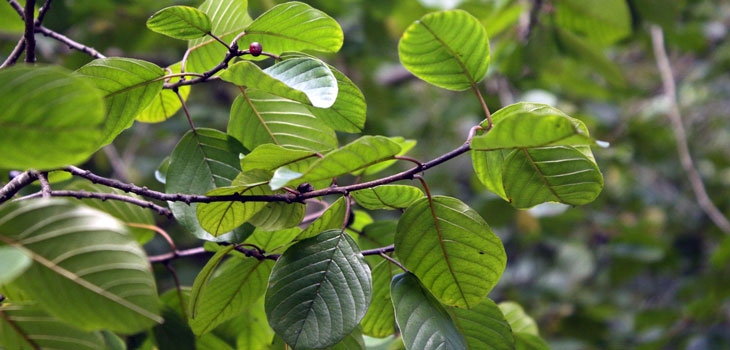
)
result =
(16, 184)
(107, 196)
(69, 42)
(675, 119)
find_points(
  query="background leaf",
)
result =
(318, 291)
(518, 320)
(42, 101)
(294, 26)
(180, 22)
(129, 86)
(451, 249)
(603, 21)
(104, 283)
(166, 103)
(228, 19)
(423, 322)
(201, 161)
(438, 49)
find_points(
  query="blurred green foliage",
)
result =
(641, 267)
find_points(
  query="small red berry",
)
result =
(255, 49)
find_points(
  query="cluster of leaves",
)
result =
(309, 281)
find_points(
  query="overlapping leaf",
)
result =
(104, 283)
(294, 26)
(483, 326)
(332, 218)
(318, 291)
(228, 19)
(603, 21)
(42, 101)
(180, 22)
(518, 320)
(405, 146)
(26, 326)
(258, 118)
(449, 49)
(451, 249)
(270, 157)
(387, 197)
(423, 321)
(278, 215)
(379, 321)
(129, 86)
(166, 103)
(202, 161)
(220, 217)
(14, 263)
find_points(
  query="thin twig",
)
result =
(29, 31)
(675, 119)
(15, 54)
(69, 42)
(105, 196)
(45, 185)
(15, 185)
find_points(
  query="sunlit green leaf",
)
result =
(524, 125)
(451, 249)
(273, 241)
(123, 211)
(270, 157)
(527, 341)
(518, 320)
(166, 103)
(228, 18)
(26, 326)
(387, 197)
(201, 161)
(318, 291)
(379, 321)
(294, 26)
(278, 215)
(332, 218)
(405, 145)
(129, 86)
(422, 320)
(449, 49)
(258, 118)
(488, 168)
(14, 263)
(353, 341)
(42, 101)
(104, 283)
(220, 217)
(180, 22)
(483, 326)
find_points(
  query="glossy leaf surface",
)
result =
(451, 249)
(423, 321)
(318, 291)
(180, 22)
(449, 49)
(42, 101)
(104, 283)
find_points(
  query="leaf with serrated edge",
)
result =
(180, 22)
(319, 291)
(294, 26)
(483, 326)
(228, 19)
(104, 283)
(422, 320)
(129, 86)
(387, 197)
(332, 218)
(451, 249)
(436, 49)
(42, 101)
(33, 328)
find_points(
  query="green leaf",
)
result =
(278, 215)
(282, 177)
(405, 145)
(527, 341)
(304, 80)
(174, 333)
(26, 326)
(525, 124)
(273, 241)
(104, 283)
(353, 341)
(250, 329)
(258, 118)
(483, 326)
(602, 21)
(423, 321)
(42, 101)
(332, 218)
(123, 211)
(220, 217)
(451, 249)
(387, 197)
(294, 26)
(591, 54)
(129, 86)
(201, 161)
(270, 157)
(318, 291)
(379, 321)
(449, 49)
(14, 263)
(236, 285)
(228, 18)
(518, 320)
(180, 22)
(488, 168)
(166, 103)
(552, 174)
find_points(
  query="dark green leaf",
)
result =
(423, 321)
(104, 283)
(452, 250)
(318, 291)
(42, 101)
(228, 18)
(449, 49)
(294, 26)
(387, 197)
(180, 22)
(483, 326)
(129, 86)
(202, 160)
(603, 21)
(174, 333)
